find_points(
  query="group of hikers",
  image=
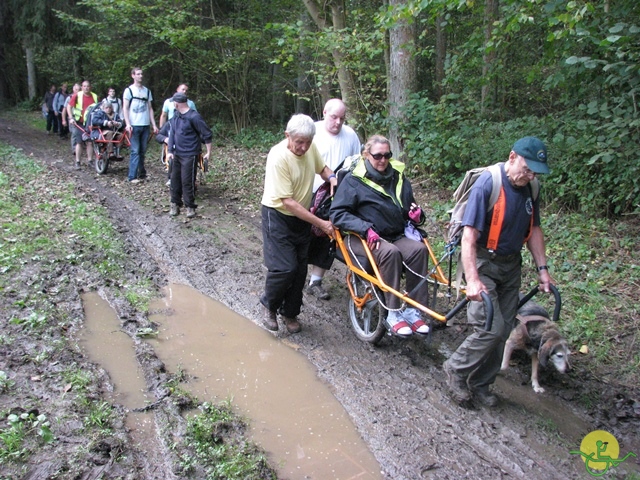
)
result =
(374, 201)
(182, 129)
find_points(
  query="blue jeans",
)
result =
(139, 140)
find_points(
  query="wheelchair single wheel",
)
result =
(102, 159)
(368, 321)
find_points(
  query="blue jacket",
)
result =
(99, 119)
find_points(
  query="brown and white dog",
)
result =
(535, 333)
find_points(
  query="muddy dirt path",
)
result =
(394, 393)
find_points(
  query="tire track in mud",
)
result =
(393, 393)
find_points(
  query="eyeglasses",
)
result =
(380, 156)
(527, 171)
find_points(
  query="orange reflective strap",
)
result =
(497, 220)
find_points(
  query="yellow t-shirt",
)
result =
(290, 176)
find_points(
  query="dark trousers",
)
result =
(63, 129)
(480, 355)
(183, 180)
(52, 122)
(285, 249)
(321, 251)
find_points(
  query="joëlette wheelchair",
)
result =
(367, 311)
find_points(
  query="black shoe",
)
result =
(315, 289)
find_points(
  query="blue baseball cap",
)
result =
(534, 152)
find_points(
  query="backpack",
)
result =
(461, 197)
(142, 99)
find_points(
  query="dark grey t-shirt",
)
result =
(517, 215)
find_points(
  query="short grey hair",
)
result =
(301, 125)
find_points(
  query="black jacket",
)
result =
(187, 133)
(360, 203)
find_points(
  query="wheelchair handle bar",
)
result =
(488, 308)
(556, 294)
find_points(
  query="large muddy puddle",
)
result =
(293, 415)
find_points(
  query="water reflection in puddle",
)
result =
(293, 415)
(105, 344)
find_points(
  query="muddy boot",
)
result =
(191, 212)
(293, 326)
(485, 397)
(175, 210)
(269, 319)
(457, 385)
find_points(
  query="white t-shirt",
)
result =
(334, 148)
(139, 106)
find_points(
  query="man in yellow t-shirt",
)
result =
(286, 220)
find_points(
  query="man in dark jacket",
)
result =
(187, 133)
(376, 201)
(52, 122)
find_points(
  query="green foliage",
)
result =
(214, 437)
(19, 430)
(592, 151)
(33, 322)
(101, 416)
(140, 294)
(5, 382)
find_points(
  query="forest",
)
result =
(453, 83)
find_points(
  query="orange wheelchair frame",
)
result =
(366, 288)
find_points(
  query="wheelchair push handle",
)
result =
(556, 294)
(488, 308)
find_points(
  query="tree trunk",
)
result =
(402, 76)
(31, 72)
(319, 14)
(488, 58)
(441, 55)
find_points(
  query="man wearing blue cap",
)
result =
(491, 260)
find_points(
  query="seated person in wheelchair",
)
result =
(375, 201)
(109, 123)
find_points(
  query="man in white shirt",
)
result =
(138, 115)
(335, 141)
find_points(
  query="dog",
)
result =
(535, 333)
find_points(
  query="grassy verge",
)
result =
(55, 242)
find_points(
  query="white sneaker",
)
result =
(398, 325)
(412, 317)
